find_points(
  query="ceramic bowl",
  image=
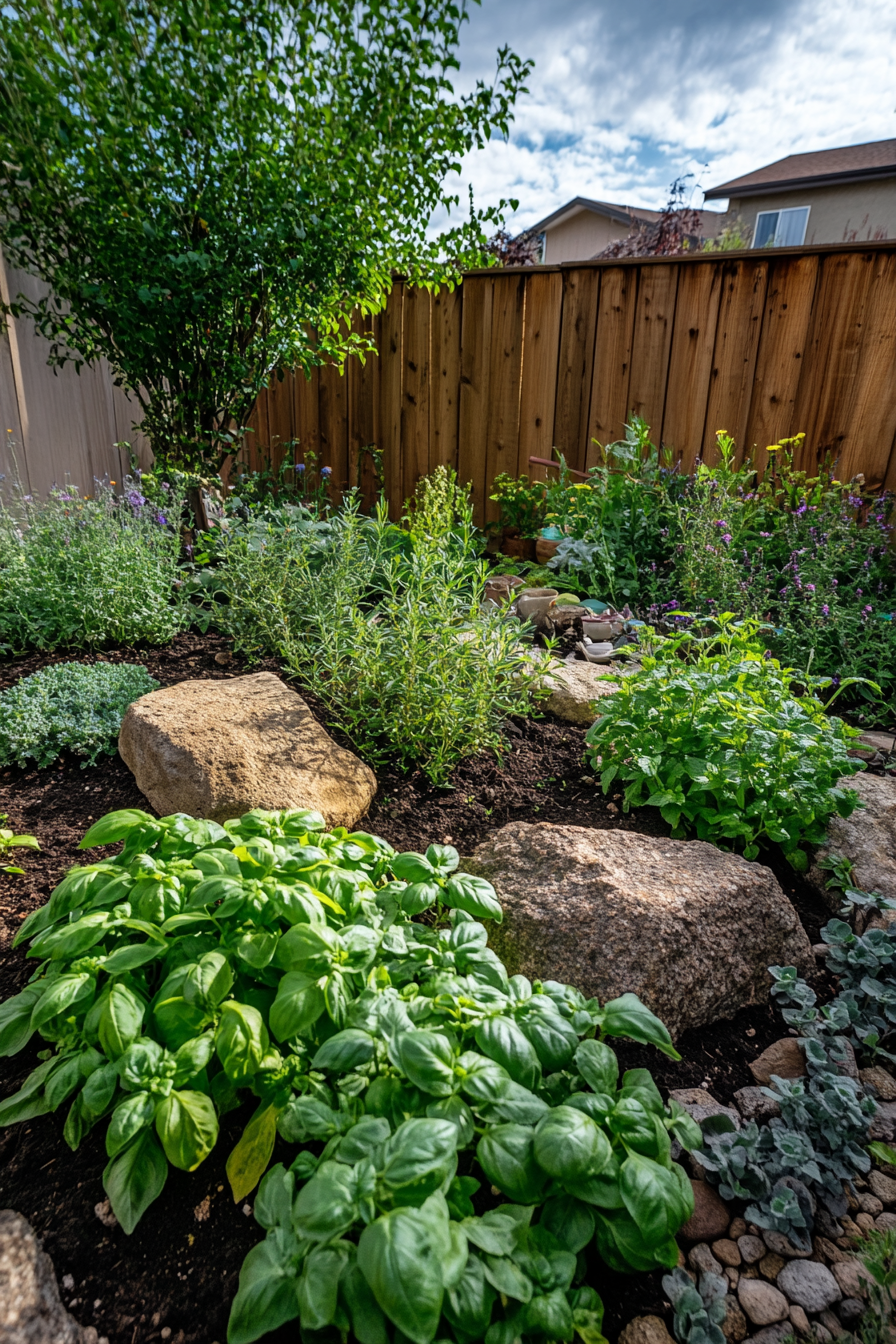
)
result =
(534, 602)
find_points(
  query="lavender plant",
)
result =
(81, 571)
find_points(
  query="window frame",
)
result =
(785, 210)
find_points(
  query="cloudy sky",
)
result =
(628, 94)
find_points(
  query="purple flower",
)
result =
(765, 534)
(833, 583)
(810, 587)
(326, 471)
(858, 591)
(161, 520)
(720, 522)
(300, 467)
(726, 537)
(825, 611)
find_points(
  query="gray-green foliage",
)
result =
(83, 572)
(817, 1144)
(699, 1309)
(74, 707)
(382, 623)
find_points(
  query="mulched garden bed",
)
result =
(175, 1276)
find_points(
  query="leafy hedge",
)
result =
(269, 958)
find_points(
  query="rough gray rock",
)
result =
(217, 749)
(752, 1249)
(702, 1259)
(883, 1124)
(30, 1308)
(867, 839)
(780, 1245)
(772, 1334)
(754, 1105)
(810, 1285)
(884, 1187)
(689, 929)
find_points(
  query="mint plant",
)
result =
(74, 707)
(710, 732)
(269, 959)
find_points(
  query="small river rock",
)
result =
(762, 1303)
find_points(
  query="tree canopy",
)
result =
(211, 187)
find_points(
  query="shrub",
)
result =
(382, 624)
(68, 707)
(721, 745)
(268, 958)
(77, 572)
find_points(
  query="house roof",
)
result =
(822, 168)
(621, 214)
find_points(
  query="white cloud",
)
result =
(625, 97)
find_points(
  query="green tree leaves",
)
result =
(309, 181)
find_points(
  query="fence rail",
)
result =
(515, 363)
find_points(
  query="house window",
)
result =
(781, 228)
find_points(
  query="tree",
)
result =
(676, 231)
(211, 187)
(523, 250)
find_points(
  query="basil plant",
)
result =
(267, 958)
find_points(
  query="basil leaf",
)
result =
(569, 1146)
(318, 1286)
(248, 1162)
(344, 1051)
(298, 1005)
(418, 1157)
(208, 981)
(458, 1112)
(553, 1038)
(627, 1016)
(418, 896)
(570, 1220)
(113, 827)
(326, 1205)
(368, 1321)
(15, 1019)
(129, 958)
(550, 1315)
(508, 1278)
(400, 1255)
(266, 1297)
(506, 1154)
(130, 1116)
(598, 1065)
(474, 895)
(412, 868)
(241, 1041)
(120, 1021)
(192, 1057)
(134, 1178)
(427, 1059)
(187, 1124)
(61, 995)
(502, 1041)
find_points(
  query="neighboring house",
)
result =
(582, 228)
(829, 196)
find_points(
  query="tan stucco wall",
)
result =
(580, 238)
(857, 213)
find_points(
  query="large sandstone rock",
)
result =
(30, 1309)
(867, 839)
(574, 688)
(217, 749)
(687, 928)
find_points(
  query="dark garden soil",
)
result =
(175, 1277)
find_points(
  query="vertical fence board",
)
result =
(390, 399)
(503, 434)
(690, 361)
(612, 359)
(873, 422)
(782, 342)
(475, 366)
(306, 413)
(576, 364)
(538, 372)
(332, 401)
(363, 408)
(415, 388)
(445, 370)
(652, 342)
(850, 336)
(739, 324)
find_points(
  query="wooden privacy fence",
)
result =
(515, 363)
